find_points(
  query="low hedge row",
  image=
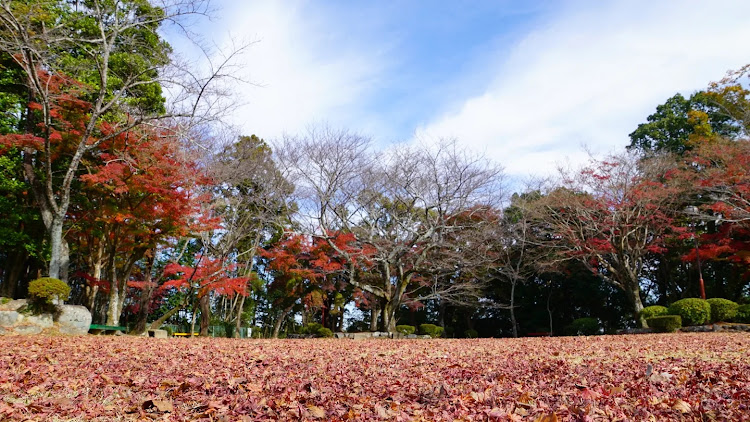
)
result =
(694, 311)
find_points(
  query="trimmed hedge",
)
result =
(431, 330)
(44, 291)
(743, 314)
(324, 332)
(653, 311)
(406, 329)
(693, 311)
(665, 323)
(583, 327)
(722, 309)
(316, 329)
(471, 333)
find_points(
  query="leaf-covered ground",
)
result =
(701, 376)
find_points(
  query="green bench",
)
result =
(105, 329)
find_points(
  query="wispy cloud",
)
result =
(302, 70)
(589, 74)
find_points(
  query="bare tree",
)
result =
(404, 207)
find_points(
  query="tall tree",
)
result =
(142, 190)
(609, 215)
(109, 58)
(679, 122)
(401, 207)
(253, 201)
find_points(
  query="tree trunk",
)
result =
(549, 311)
(441, 314)
(143, 305)
(238, 318)
(91, 291)
(374, 312)
(389, 316)
(280, 320)
(56, 260)
(10, 281)
(513, 308)
(159, 322)
(113, 310)
(205, 304)
(145, 300)
(634, 294)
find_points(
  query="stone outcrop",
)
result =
(71, 319)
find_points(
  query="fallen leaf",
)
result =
(681, 406)
(547, 418)
(316, 412)
(162, 406)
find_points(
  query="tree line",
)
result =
(115, 176)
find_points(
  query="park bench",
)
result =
(105, 329)
(184, 334)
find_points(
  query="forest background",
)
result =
(118, 176)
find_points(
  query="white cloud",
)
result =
(304, 70)
(590, 74)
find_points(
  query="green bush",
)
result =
(743, 314)
(431, 330)
(665, 323)
(471, 333)
(722, 309)
(653, 311)
(44, 291)
(693, 311)
(316, 329)
(406, 329)
(583, 327)
(311, 328)
(324, 332)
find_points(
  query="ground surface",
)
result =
(696, 376)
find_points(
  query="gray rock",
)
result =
(13, 305)
(2, 331)
(8, 318)
(43, 320)
(411, 336)
(27, 329)
(360, 336)
(74, 319)
(158, 333)
(339, 335)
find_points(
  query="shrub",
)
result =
(653, 311)
(693, 311)
(583, 327)
(665, 323)
(310, 328)
(316, 329)
(406, 329)
(743, 314)
(44, 291)
(722, 309)
(471, 334)
(431, 330)
(324, 332)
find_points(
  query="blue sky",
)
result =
(528, 83)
